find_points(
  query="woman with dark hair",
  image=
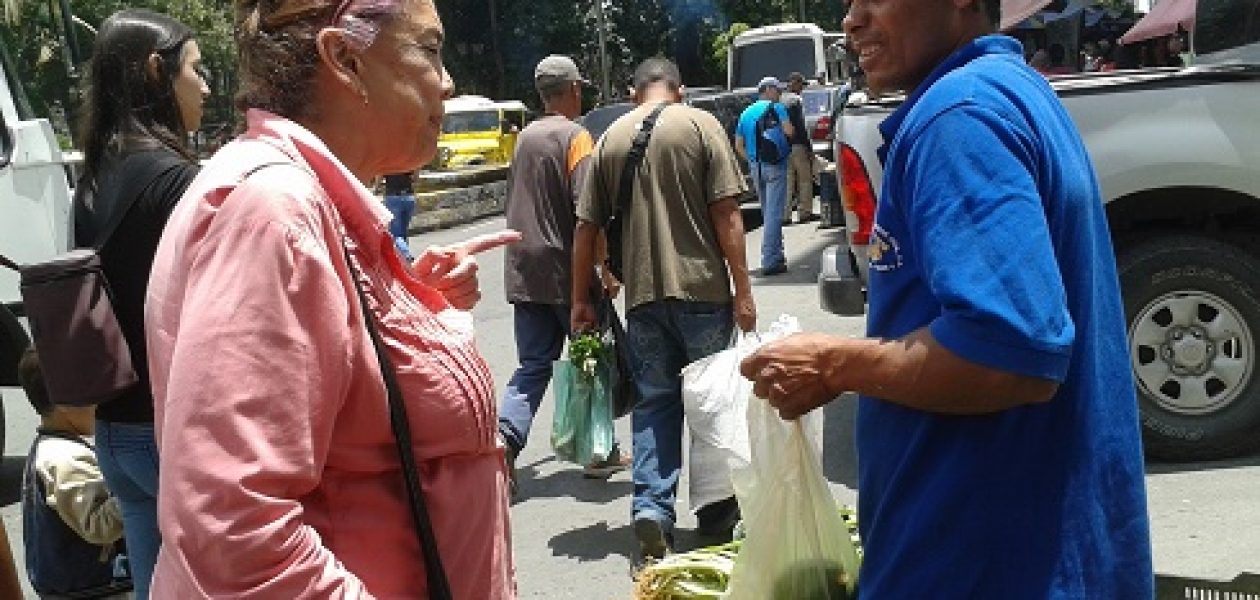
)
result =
(144, 95)
(278, 309)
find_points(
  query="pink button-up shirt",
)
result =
(279, 476)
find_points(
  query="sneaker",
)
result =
(718, 519)
(654, 543)
(615, 463)
(775, 270)
(809, 218)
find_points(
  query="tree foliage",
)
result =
(693, 33)
(39, 47)
(492, 46)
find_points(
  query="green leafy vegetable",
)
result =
(585, 353)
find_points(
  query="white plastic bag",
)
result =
(797, 546)
(715, 401)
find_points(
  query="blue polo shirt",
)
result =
(746, 129)
(990, 231)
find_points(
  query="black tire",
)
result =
(1208, 404)
(13, 342)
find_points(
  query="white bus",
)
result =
(778, 50)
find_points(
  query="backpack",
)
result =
(773, 146)
(69, 304)
(59, 563)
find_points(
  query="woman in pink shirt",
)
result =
(279, 472)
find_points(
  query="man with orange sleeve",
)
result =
(549, 168)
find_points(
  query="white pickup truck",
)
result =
(1177, 152)
(34, 207)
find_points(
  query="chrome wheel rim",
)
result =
(1192, 352)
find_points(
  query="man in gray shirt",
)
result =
(686, 276)
(549, 168)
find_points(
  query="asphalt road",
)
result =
(571, 536)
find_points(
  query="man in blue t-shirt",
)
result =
(997, 436)
(769, 172)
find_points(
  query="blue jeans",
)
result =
(402, 207)
(127, 453)
(771, 183)
(540, 333)
(663, 337)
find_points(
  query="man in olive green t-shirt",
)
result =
(683, 250)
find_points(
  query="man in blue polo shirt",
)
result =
(998, 443)
(769, 172)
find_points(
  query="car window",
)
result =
(468, 122)
(816, 102)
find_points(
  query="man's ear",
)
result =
(342, 62)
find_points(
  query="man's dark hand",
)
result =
(582, 318)
(791, 373)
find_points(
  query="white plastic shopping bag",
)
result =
(715, 401)
(796, 544)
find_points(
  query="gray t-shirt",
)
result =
(669, 245)
(549, 169)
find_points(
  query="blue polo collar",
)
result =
(981, 46)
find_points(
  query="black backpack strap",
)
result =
(133, 186)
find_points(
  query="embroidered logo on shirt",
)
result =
(885, 252)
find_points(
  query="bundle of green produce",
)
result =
(585, 352)
(697, 575)
(704, 574)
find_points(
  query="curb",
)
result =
(455, 207)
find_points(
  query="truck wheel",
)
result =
(13, 342)
(1193, 312)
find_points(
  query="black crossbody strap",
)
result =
(625, 191)
(439, 587)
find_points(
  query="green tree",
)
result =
(38, 44)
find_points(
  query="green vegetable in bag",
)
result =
(582, 428)
(586, 352)
(815, 579)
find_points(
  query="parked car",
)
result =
(35, 208)
(479, 131)
(1177, 154)
(599, 118)
(816, 104)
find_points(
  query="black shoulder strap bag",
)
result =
(625, 191)
(439, 587)
(69, 303)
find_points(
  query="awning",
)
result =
(1015, 11)
(1075, 7)
(1163, 20)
